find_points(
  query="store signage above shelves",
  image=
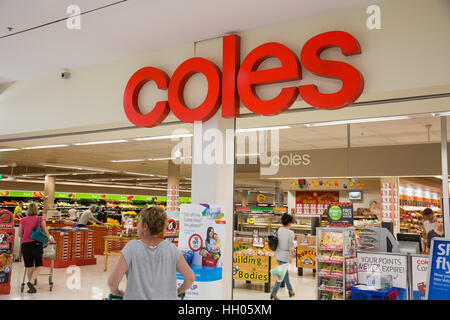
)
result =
(237, 81)
(98, 196)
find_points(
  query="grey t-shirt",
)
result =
(285, 244)
(151, 273)
(85, 217)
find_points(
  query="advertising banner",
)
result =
(439, 271)
(340, 214)
(394, 266)
(306, 257)
(419, 272)
(202, 236)
(314, 202)
(6, 250)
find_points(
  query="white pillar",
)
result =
(291, 201)
(214, 183)
(49, 194)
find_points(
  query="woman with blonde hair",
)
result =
(151, 263)
(32, 250)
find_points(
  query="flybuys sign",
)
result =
(439, 270)
(340, 214)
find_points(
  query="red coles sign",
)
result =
(238, 81)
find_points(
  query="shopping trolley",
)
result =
(49, 253)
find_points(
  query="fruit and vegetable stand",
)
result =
(100, 231)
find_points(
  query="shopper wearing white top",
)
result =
(73, 213)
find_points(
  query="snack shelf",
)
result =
(331, 289)
(338, 261)
(330, 275)
(330, 249)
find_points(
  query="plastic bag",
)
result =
(279, 272)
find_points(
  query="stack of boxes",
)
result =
(99, 232)
(63, 246)
(73, 245)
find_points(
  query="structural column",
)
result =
(213, 179)
(278, 199)
(173, 187)
(49, 194)
(444, 164)
(244, 197)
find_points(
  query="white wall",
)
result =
(411, 52)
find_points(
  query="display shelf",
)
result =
(336, 262)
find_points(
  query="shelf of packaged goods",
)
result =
(330, 275)
(331, 289)
(365, 217)
(294, 226)
(335, 261)
(330, 249)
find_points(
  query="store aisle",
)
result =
(304, 287)
(93, 285)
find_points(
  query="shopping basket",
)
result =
(49, 253)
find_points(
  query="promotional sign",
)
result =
(251, 268)
(439, 270)
(394, 266)
(419, 272)
(261, 198)
(238, 81)
(202, 234)
(340, 214)
(306, 257)
(314, 202)
(257, 241)
(6, 250)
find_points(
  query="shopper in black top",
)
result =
(436, 232)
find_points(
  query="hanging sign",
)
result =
(340, 214)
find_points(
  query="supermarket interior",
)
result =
(356, 177)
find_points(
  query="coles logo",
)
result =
(237, 81)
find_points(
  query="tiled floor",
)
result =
(93, 284)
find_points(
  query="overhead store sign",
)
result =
(237, 81)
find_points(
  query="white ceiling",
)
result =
(129, 28)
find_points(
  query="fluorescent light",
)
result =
(262, 129)
(140, 174)
(45, 147)
(330, 123)
(98, 142)
(173, 136)
(160, 159)
(128, 160)
(441, 114)
(8, 149)
(4, 165)
(55, 165)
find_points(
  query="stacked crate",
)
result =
(88, 249)
(63, 245)
(76, 245)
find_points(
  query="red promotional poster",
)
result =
(314, 202)
(6, 250)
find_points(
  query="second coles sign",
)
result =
(237, 81)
